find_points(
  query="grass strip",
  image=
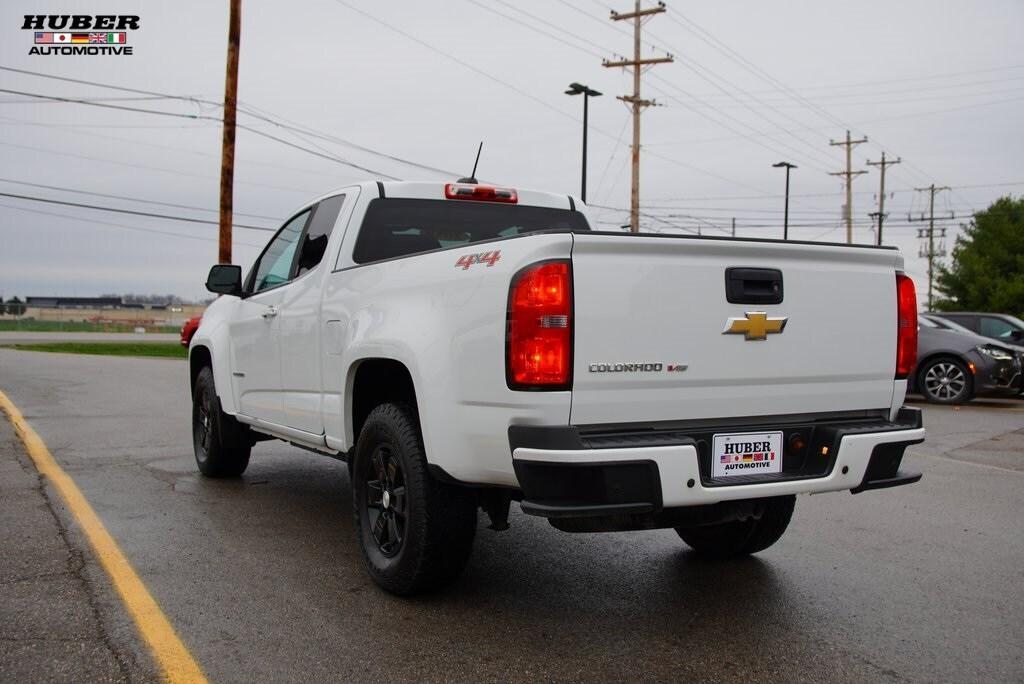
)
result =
(164, 350)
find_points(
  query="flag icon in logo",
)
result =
(47, 38)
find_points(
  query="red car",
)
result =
(189, 329)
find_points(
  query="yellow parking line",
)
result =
(176, 663)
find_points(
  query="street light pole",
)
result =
(785, 220)
(587, 93)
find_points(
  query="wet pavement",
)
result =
(263, 581)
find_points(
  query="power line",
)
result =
(858, 98)
(204, 117)
(138, 229)
(714, 80)
(44, 150)
(463, 63)
(912, 115)
(174, 148)
(707, 37)
(932, 77)
(507, 17)
(830, 194)
(130, 211)
(276, 119)
(730, 89)
(130, 199)
(754, 137)
(611, 157)
(467, 65)
(137, 98)
(264, 115)
(268, 117)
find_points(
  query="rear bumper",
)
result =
(564, 476)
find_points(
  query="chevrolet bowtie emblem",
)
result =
(755, 325)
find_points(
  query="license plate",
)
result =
(747, 453)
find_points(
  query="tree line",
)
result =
(13, 306)
(986, 272)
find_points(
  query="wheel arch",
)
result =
(372, 381)
(198, 357)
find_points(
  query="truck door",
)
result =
(255, 328)
(301, 330)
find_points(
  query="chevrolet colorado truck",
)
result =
(462, 346)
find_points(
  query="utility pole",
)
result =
(638, 104)
(227, 162)
(881, 190)
(734, 226)
(928, 249)
(850, 175)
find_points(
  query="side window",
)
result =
(969, 322)
(275, 265)
(995, 327)
(314, 240)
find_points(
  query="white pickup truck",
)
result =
(462, 346)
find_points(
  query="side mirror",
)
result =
(1017, 335)
(225, 279)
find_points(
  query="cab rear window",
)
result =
(395, 227)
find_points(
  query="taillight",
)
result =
(906, 331)
(480, 193)
(539, 329)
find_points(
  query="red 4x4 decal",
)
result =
(489, 258)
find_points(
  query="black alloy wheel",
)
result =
(221, 445)
(201, 420)
(415, 532)
(386, 501)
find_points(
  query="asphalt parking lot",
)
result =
(262, 579)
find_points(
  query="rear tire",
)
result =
(220, 443)
(415, 533)
(741, 537)
(945, 381)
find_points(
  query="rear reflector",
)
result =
(539, 331)
(906, 332)
(480, 193)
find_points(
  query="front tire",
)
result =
(415, 533)
(945, 381)
(219, 452)
(741, 537)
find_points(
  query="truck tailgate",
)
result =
(646, 306)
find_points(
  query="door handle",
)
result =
(270, 312)
(753, 285)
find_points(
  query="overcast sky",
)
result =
(939, 83)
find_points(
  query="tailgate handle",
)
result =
(753, 285)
